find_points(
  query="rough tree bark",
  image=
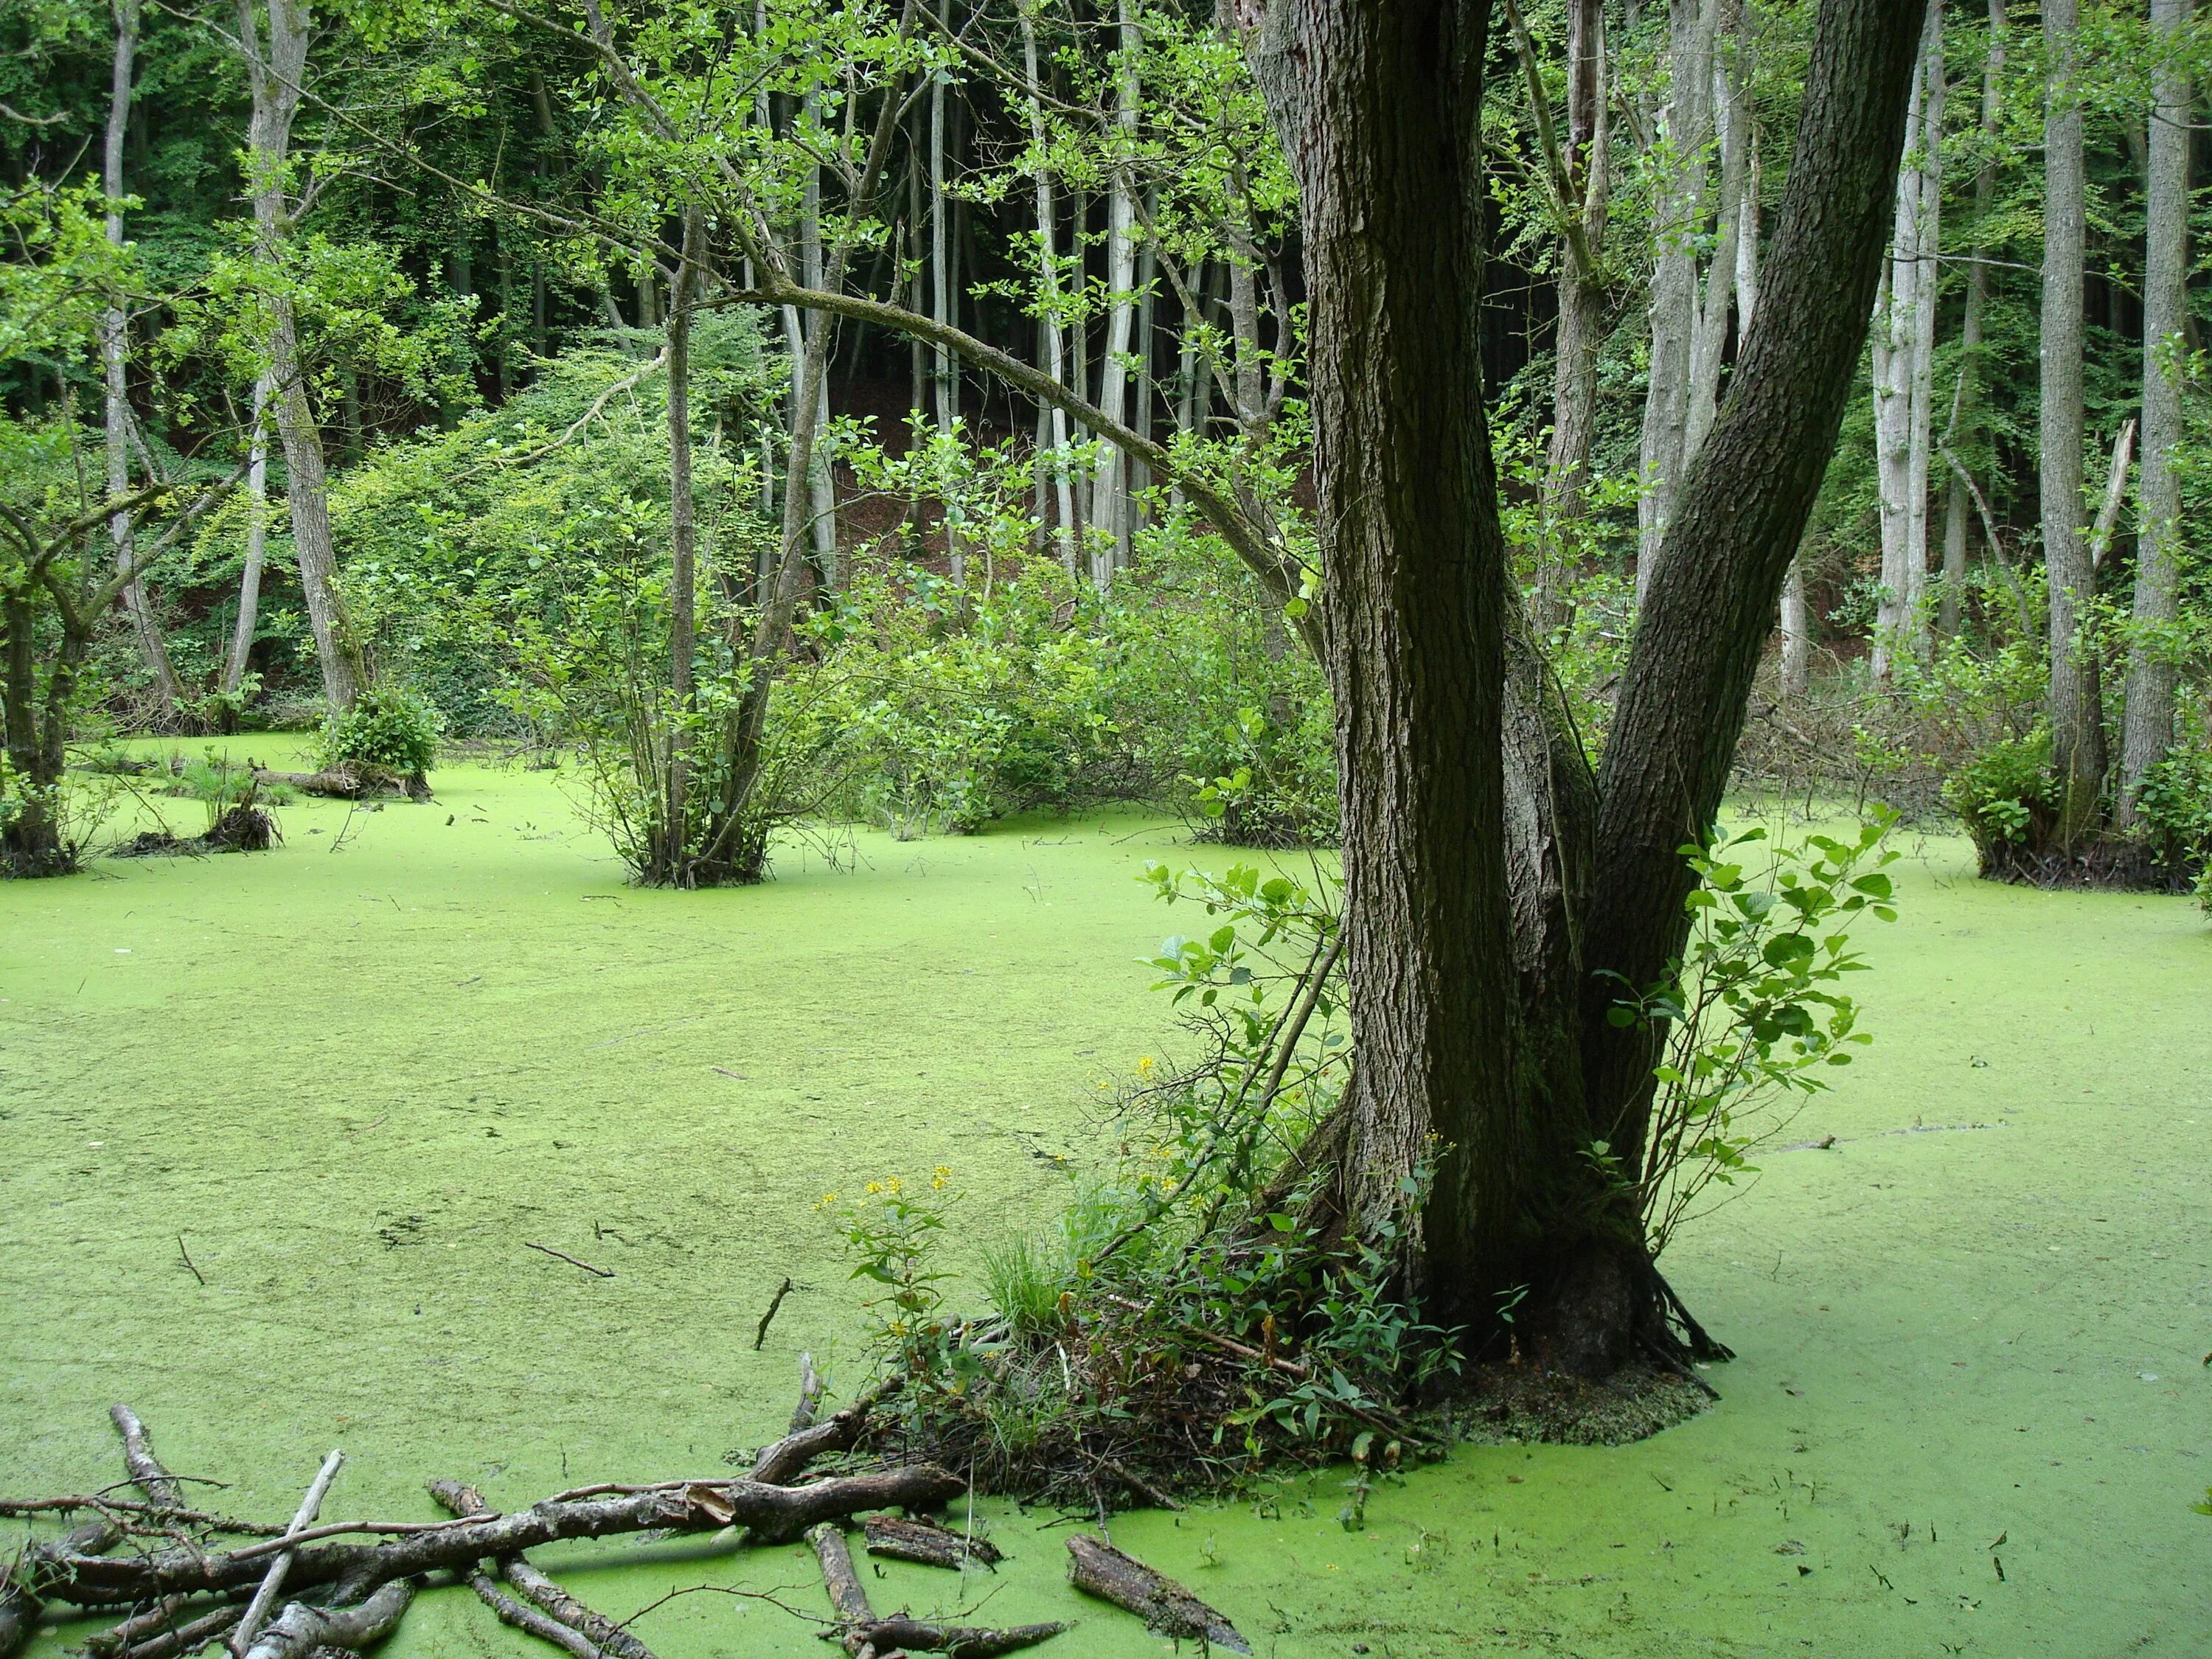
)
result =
(2077, 725)
(2147, 728)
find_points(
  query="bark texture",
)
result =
(2147, 729)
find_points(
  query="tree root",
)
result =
(1100, 1570)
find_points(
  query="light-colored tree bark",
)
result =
(2147, 730)
(1052, 440)
(275, 64)
(114, 358)
(1686, 127)
(1904, 361)
(248, 621)
(1956, 507)
(1709, 325)
(1109, 515)
(2077, 727)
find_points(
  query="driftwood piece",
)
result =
(784, 1459)
(1098, 1569)
(272, 1582)
(600, 1634)
(961, 1641)
(810, 1394)
(300, 1629)
(925, 1543)
(146, 1471)
(774, 1514)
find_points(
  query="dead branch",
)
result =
(847, 1597)
(300, 1629)
(602, 1633)
(775, 1302)
(348, 783)
(183, 1517)
(156, 1638)
(597, 1272)
(773, 1514)
(530, 1621)
(783, 1460)
(925, 1543)
(810, 1394)
(146, 1469)
(1098, 1569)
(23, 1594)
(273, 1581)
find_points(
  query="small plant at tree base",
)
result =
(391, 732)
(891, 1235)
(1752, 1013)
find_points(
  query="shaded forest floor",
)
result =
(359, 1082)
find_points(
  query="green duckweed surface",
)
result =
(1970, 1415)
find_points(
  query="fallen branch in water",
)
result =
(1100, 1570)
(600, 1634)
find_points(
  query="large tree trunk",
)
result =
(1379, 105)
(275, 69)
(2077, 725)
(2147, 730)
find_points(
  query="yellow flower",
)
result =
(875, 1186)
(828, 1199)
(1145, 1066)
(939, 1177)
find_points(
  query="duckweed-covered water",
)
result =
(355, 1080)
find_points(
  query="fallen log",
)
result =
(774, 1514)
(601, 1634)
(300, 1629)
(146, 1471)
(1098, 1569)
(159, 1639)
(925, 1543)
(350, 783)
(530, 1621)
(961, 1641)
(848, 1597)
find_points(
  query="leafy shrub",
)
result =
(2005, 798)
(1752, 1014)
(2174, 812)
(390, 730)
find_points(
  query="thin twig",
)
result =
(602, 1273)
(775, 1302)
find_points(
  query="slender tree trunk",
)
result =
(276, 70)
(114, 354)
(1709, 332)
(1108, 484)
(683, 561)
(256, 540)
(1796, 636)
(2147, 731)
(1904, 318)
(1048, 239)
(1583, 300)
(820, 485)
(2077, 725)
(1956, 505)
(1679, 212)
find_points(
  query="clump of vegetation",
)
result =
(390, 735)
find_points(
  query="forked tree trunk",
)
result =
(2077, 725)
(2147, 729)
(1481, 1035)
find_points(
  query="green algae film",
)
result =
(358, 1082)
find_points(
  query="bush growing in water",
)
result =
(391, 731)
